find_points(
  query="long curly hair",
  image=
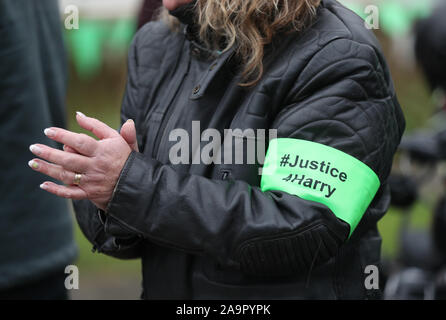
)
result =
(248, 26)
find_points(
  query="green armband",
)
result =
(316, 172)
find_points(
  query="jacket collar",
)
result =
(186, 14)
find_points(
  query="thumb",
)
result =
(128, 132)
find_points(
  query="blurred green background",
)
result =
(96, 86)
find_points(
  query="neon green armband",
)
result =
(316, 172)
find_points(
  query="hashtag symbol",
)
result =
(285, 160)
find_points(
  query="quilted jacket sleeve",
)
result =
(341, 100)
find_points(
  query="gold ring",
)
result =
(77, 179)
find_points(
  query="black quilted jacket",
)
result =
(208, 231)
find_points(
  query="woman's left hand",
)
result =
(90, 173)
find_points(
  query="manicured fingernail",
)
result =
(33, 164)
(49, 132)
(80, 114)
(43, 186)
(35, 149)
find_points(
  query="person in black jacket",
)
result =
(211, 79)
(430, 48)
(36, 229)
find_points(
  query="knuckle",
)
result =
(43, 152)
(84, 136)
(79, 143)
(63, 175)
(48, 154)
(56, 134)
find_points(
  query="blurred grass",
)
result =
(99, 97)
(389, 226)
(410, 85)
(414, 97)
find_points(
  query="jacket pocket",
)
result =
(210, 281)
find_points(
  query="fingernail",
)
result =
(49, 132)
(35, 149)
(33, 164)
(43, 186)
(80, 114)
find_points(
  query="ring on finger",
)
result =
(77, 179)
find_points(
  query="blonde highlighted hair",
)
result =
(248, 25)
